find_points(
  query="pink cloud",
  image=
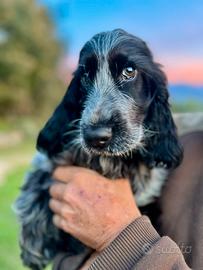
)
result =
(179, 70)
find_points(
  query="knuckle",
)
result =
(73, 219)
(76, 175)
(70, 192)
(66, 193)
(51, 203)
(51, 189)
(59, 222)
(64, 225)
(64, 211)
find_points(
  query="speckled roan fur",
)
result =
(137, 107)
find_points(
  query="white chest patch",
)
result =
(152, 189)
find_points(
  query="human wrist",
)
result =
(110, 236)
(137, 239)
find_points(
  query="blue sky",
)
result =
(173, 29)
(160, 22)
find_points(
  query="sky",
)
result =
(172, 29)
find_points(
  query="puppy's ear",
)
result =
(50, 138)
(162, 145)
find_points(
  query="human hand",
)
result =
(91, 207)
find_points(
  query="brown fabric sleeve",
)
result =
(138, 247)
(165, 254)
(129, 246)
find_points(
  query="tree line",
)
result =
(29, 54)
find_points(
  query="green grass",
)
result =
(9, 229)
(187, 106)
(9, 250)
(18, 156)
(26, 147)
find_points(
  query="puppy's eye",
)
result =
(129, 73)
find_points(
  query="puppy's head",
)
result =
(116, 103)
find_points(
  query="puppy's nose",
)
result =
(98, 137)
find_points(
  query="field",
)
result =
(16, 151)
(13, 166)
(9, 251)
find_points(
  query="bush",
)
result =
(29, 54)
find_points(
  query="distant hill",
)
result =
(185, 93)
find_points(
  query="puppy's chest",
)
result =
(146, 183)
(110, 167)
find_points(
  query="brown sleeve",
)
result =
(138, 247)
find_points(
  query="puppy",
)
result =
(115, 119)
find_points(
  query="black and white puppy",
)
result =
(115, 119)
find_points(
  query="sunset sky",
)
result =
(172, 29)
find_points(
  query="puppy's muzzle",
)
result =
(97, 137)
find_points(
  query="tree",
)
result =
(29, 55)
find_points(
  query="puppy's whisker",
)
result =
(74, 122)
(76, 132)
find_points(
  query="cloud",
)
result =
(183, 70)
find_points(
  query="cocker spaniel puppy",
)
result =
(115, 119)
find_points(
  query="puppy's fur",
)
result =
(142, 147)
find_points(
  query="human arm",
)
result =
(103, 215)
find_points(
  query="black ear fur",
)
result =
(50, 137)
(162, 146)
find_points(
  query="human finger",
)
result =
(66, 173)
(60, 208)
(57, 191)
